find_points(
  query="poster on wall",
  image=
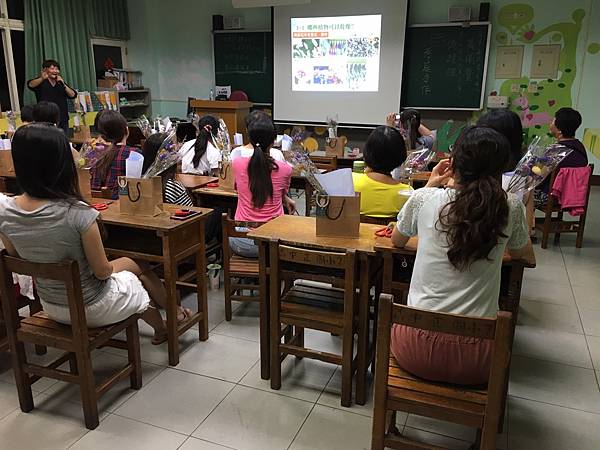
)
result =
(509, 61)
(545, 60)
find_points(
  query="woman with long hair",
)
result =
(50, 223)
(261, 182)
(463, 233)
(113, 130)
(201, 156)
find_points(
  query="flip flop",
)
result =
(162, 338)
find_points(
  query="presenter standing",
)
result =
(49, 86)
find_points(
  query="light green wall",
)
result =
(172, 43)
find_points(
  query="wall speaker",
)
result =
(217, 22)
(484, 11)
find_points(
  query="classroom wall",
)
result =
(173, 46)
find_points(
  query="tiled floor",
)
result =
(214, 399)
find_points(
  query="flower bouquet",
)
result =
(166, 157)
(12, 122)
(539, 161)
(90, 154)
(303, 165)
(222, 141)
(144, 125)
(416, 162)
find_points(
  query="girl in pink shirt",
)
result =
(261, 183)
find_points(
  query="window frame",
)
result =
(110, 43)
(6, 26)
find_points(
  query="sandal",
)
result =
(162, 338)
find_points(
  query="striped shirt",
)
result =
(177, 194)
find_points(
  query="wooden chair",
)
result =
(21, 302)
(557, 225)
(327, 163)
(297, 307)
(397, 390)
(239, 273)
(77, 340)
(377, 220)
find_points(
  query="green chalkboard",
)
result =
(244, 60)
(444, 66)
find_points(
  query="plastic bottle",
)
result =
(211, 96)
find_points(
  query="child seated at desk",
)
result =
(508, 124)
(261, 181)
(200, 156)
(113, 130)
(173, 191)
(419, 136)
(50, 223)
(383, 152)
(48, 112)
(463, 233)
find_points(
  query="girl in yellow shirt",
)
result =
(384, 151)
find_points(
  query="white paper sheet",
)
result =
(339, 182)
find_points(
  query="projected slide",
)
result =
(336, 53)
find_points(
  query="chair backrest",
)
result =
(229, 230)
(294, 262)
(497, 329)
(239, 96)
(328, 163)
(67, 272)
(551, 202)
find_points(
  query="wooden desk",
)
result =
(192, 182)
(419, 180)
(226, 199)
(342, 162)
(166, 241)
(299, 230)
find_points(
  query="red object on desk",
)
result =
(100, 206)
(212, 185)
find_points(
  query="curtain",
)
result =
(61, 30)
(109, 19)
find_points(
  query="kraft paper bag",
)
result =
(335, 146)
(141, 196)
(226, 178)
(82, 133)
(85, 180)
(338, 216)
(7, 169)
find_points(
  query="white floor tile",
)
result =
(534, 425)
(435, 439)
(117, 432)
(9, 399)
(594, 346)
(251, 419)
(222, 357)
(106, 364)
(548, 293)
(551, 345)
(53, 424)
(303, 379)
(198, 444)
(7, 375)
(553, 317)
(176, 400)
(587, 296)
(244, 323)
(591, 321)
(558, 384)
(333, 429)
(332, 396)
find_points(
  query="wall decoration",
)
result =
(545, 60)
(509, 61)
(591, 140)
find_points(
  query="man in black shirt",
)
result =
(50, 86)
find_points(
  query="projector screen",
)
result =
(342, 55)
(331, 65)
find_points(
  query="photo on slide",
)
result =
(336, 53)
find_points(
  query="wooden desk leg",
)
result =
(308, 193)
(388, 265)
(170, 271)
(363, 331)
(263, 281)
(201, 282)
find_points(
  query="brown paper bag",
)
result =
(141, 196)
(7, 169)
(335, 146)
(338, 216)
(226, 178)
(85, 181)
(82, 133)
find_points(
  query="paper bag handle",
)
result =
(323, 202)
(123, 183)
(222, 175)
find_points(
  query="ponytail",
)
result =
(475, 220)
(411, 121)
(112, 127)
(261, 132)
(207, 125)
